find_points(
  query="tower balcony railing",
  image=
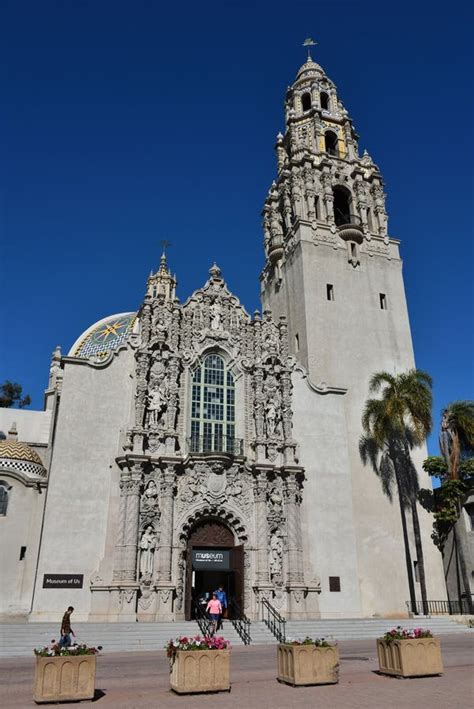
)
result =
(344, 221)
(215, 444)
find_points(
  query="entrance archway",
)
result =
(213, 560)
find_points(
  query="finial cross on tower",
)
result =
(164, 245)
(309, 42)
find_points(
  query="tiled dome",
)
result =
(20, 457)
(104, 336)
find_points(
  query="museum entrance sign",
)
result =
(211, 559)
(63, 581)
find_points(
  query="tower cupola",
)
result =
(322, 183)
(162, 283)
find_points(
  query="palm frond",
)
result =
(380, 378)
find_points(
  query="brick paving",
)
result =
(141, 679)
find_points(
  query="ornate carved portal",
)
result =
(212, 534)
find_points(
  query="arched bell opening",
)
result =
(342, 206)
(324, 100)
(331, 143)
(306, 102)
(213, 559)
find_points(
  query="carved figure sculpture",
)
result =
(276, 553)
(156, 405)
(271, 418)
(147, 551)
(216, 313)
(149, 499)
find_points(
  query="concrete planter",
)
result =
(195, 671)
(307, 664)
(64, 679)
(412, 657)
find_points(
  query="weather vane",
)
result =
(164, 245)
(309, 42)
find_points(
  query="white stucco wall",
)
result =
(94, 409)
(19, 527)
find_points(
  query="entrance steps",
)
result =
(19, 639)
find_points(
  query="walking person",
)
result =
(221, 596)
(66, 630)
(214, 609)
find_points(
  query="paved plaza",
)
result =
(141, 679)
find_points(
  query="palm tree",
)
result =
(457, 441)
(393, 425)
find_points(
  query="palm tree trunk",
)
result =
(406, 541)
(419, 555)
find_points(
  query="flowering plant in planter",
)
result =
(56, 650)
(318, 642)
(400, 633)
(206, 642)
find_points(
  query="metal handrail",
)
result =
(240, 622)
(205, 624)
(439, 607)
(274, 621)
(215, 444)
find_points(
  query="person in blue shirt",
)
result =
(222, 597)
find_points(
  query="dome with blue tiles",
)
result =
(105, 336)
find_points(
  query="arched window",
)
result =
(306, 102)
(342, 206)
(331, 142)
(4, 488)
(213, 407)
(324, 100)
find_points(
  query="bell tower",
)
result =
(331, 267)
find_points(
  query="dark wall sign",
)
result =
(63, 581)
(211, 559)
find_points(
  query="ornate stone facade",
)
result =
(167, 483)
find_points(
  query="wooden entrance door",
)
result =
(210, 533)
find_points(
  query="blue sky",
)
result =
(128, 123)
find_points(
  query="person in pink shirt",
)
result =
(214, 608)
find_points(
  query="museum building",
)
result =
(190, 444)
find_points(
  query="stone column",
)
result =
(292, 496)
(118, 563)
(130, 532)
(167, 488)
(261, 542)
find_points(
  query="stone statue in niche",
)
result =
(216, 315)
(149, 499)
(271, 418)
(275, 505)
(272, 405)
(147, 551)
(276, 554)
(156, 403)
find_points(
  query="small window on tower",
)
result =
(370, 221)
(330, 291)
(331, 142)
(324, 99)
(334, 583)
(297, 343)
(383, 301)
(306, 102)
(22, 553)
(317, 208)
